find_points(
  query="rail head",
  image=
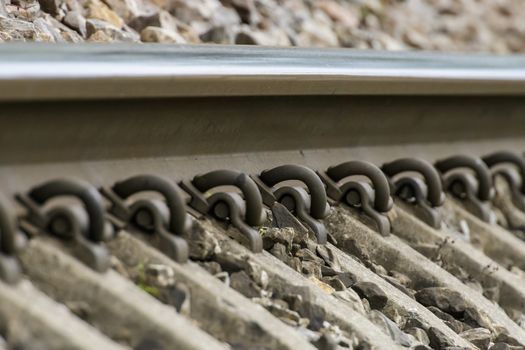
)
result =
(42, 71)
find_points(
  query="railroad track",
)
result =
(250, 198)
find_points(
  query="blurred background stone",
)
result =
(446, 25)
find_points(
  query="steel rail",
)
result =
(40, 71)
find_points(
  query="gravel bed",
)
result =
(446, 25)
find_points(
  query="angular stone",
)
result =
(347, 278)
(179, 296)
(419, 334)
(161, 19)
(159, 275)
(310, 268)
(443, 298)
(127, 9)
(328, 256)
(241, 282)
(160, 35)
(352, 298)
(478, 336)
(450, 321)
(398, 285)
(50, 6)
(230, 262)
(15, 29)
(76, 21)
(96, 9)
(334, 282)
(390, 328)
(284, 236)
(307, 255)
(437, 340)
(370, 291)
(505, 346)
(280, 252)
(113, 33)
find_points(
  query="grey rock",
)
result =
(505, 338)
(161, 19)
(390, 328)
(25, 9)
(437, 339)
(76, 21)
(456, 325)
(414, 322)
(241, 282)
(280, 309)
(246, 10)
(280, 252)
(443, 298)
(327, 271)
(326, 342)
(307, 255)
(505, 346)
(3, 10)
(284, 236)
(334, 282)
(160, 35)
(475, 318)
(230, 262)
(202, 244)
(478, 336)
(374, 294)
(159, 275)
(179, 296)
(347, 278)
(282, 218)
(19, 30)
(218, 35)
(50, 6)
(328, 256)
(94, 26)
(311, 268)
(398, 285)
(352, 298)
(421, 347)
(419, 334)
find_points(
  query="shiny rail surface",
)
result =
(124, 71)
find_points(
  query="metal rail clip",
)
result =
(425, 196)
(244, 212)
(374, 199)
(165, 220)
(308, 202)
(473, 188)
(496, 162)
(84, 228)
(11, 241)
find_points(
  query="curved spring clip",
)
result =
(244, 213)
(475, 190)
(70, 223)
(375, 200)
(426, 196)
(10, 242)
(148, 214)
(480, 169)
(308, 206)
(517, 185)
